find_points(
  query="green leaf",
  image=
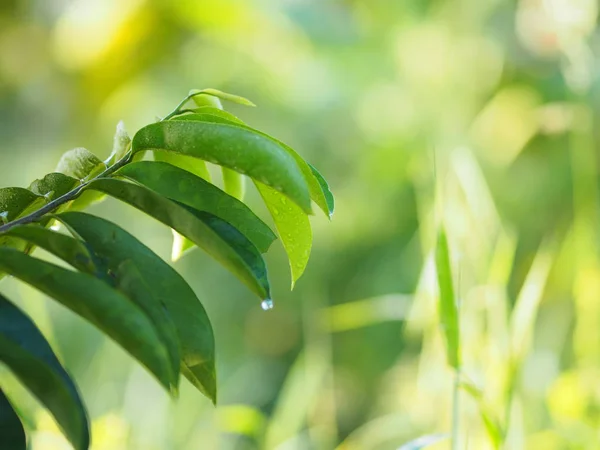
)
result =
(222, 96)
(329, 199)
(218, 238)
(120, 275)
(424, 441)
(189, 163)
(491, 423)
(80, 163)
(94, 300)
(12, 434)
(293, 227)
(234, 183)
(16, 202)
(185, 310)
(318, 188)
(186, 188)
(121, 142)
(27, 354)
(231, 146)
(53, 185)
(447, 304)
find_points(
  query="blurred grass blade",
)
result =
(12, 434)
(177, 184)
(94, 300)
(223, 96)
(490, 422)
(27, 354)
(293, 227)
(218, 238)
(424, 441)
(231, 146)
(447, 303)
(193, 327)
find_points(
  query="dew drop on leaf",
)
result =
(267, 304)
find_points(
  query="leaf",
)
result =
(96, 301)
(79, 163)
(12, 434)
(491, 423)
(329, 199)
(121, 142)
(177, 184)
(223, 96)
(447, 304)
(218, 238)
(192, 165)
(16, 202)
(231, 146)
(234, 183)
(185, 310)
(318, 188)
(66, 248)
(120, 275)
(53, 185)
(424, 441)
(293, 227)
(27, 354)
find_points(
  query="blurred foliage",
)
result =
(479, 113)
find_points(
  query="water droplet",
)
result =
(267, 304)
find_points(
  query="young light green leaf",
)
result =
(186, 188)
(293, 227)
(491, 423)
(218, 238)
(54, 185)
(79, 163)
(447, 304)
(192, 165)
(27, 354)
(94, 300)
(185, 310)
(234, 183)
(231, 146)
(121, 142)
(222, 95)
(12, 434)
(424, 441)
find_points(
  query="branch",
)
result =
(71, 195)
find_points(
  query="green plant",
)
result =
(118, 283)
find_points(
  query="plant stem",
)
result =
(71, 195)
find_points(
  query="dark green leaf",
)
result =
(186, 188)
(329, 199)
(68, 249)
(27, 354)
(447, 304)
(54, 185)
(12, 434)
(80, 163)
(96, 301)
(293, 227)
(215, 236)
(193, 326)
(16, 202)
(231, 146)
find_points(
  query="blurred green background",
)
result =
(482, 114)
